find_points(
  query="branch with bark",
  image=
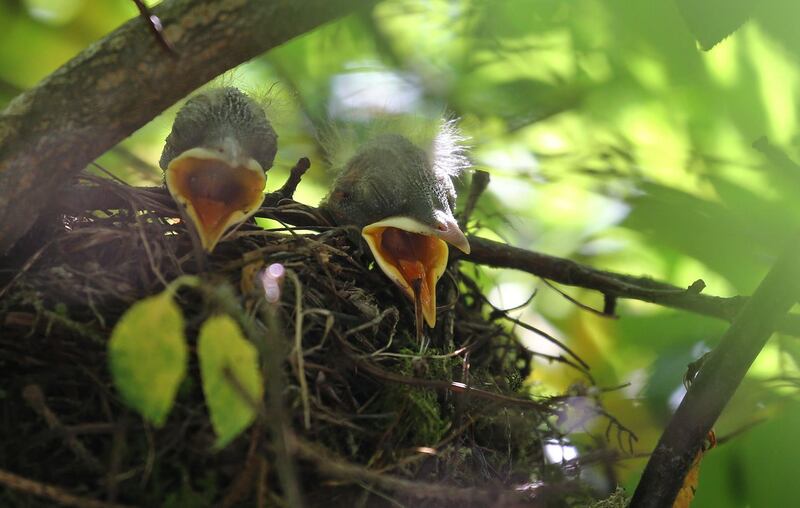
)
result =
(51, 132)
(612, 285)
(717, 380)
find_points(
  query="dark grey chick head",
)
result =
(388, 177)
(224, 120)
(215, 159)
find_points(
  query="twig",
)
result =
(717, 380)
(244, 480)
(154, 23)
(146, 244)
(242, 392)
(486, 252)
(747, 427)
(279, 422)
(51, 492)
(262, 488)
(336, 467)
(35, 398)
(480, 181)
(435, 384)
(616, 285)
(287, 190)
(118, 448)
(448, 326)
(583, 366)
(298, 348)
(460, 400)
(24, 268)
(604, 313)
(270, 342)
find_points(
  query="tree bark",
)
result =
(717, 381)
(121, 82)
(616, 285)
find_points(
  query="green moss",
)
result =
(193, 496)
(418, 420)
(617, 499)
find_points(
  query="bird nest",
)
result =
(369, 418)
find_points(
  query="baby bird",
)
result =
(215, 159)
(402, 197)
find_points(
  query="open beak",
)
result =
(217, 191)
(414, 256)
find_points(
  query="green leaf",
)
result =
(147, 353)
(225, 353)
(712, 20)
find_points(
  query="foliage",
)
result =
(224, 352)
(148, 354)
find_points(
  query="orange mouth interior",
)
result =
(414, 261)
(213, 192)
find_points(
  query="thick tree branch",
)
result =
(119, 83)
(486, 252)
(717, 380)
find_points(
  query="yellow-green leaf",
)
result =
(224, 354)
(147, 354)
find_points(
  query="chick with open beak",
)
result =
(215, 160)
(402, 197)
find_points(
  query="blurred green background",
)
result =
(611, 137)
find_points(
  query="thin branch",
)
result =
(52, 131)
(51, 492)
(271, 345)
(34, 396)
(156, 28)
(480, 181)
(615, 285)
(717, 380)
(336, 467)
(287, 190)
(435, 384)
(579, 304)
(279, 421)
(243, 483)
(582, 365)
(612, 285)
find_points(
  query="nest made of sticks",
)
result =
(372, 419)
